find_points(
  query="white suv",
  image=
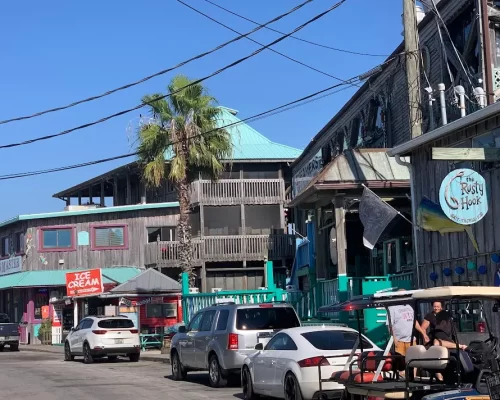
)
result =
(97, 337)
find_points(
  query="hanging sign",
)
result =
(463, 196)
(84, 283)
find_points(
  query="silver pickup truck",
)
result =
(9, 333)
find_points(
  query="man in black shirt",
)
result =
(430, 321)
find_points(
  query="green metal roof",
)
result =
(102, 210)
(248, 144)
(58, 277)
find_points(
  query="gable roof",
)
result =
(149, 281)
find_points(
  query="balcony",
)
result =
(238, 191)
(223, 248)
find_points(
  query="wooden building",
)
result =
(237, 222)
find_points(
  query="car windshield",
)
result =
(115, 323)
(334, 340)
(252, 319)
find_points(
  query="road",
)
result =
(48, 377)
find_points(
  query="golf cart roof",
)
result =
(449, 292)
(384, 299)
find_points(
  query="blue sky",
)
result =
(62, 51)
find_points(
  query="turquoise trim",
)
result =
(102, 210)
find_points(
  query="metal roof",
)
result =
(101, 210)
(148, 281)
(353, 168)
(446, 292)
(445, 130)
(49, 278)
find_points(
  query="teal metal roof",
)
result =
(58, 277)
(248, 144)
(102, 210)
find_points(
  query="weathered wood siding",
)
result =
(436, 251)
(83, 257)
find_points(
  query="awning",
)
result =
(355, 168)
(149, 281)
(58, 277)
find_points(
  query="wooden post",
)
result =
(341, 235)
(102, 194)
(79, 197)
(282, 202)
(203, 277)
(412, 67)
(115, 191)
(129, 191)
(488, 63)
(91, 197)
(68, 201)
(143, 192)
(243, 221)
(202, 236)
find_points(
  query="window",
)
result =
(334, 340)
(5, 246)
(281, 342)
(19, 242)
(259, 318)
(116, 324)
(109, 237)
(222, 320)
(162, 233)
(87, 324)
(57, 239)
(195, 322)
(167, 310)
(206, 322)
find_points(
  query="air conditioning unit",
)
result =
(216, 289)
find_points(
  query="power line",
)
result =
(295, 37)
(285, 107)
(162, 72)
(123, 112)
(260, 44)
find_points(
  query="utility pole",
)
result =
(412, 67)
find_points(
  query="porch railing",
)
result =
(238, 191)
(224, 248)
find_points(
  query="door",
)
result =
(287, 351)
(265, 364)
(187, 343)
(203, 338)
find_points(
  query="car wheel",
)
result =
(247, 385)
(215, 373)
(14, 347)
(134, 357)
(292, 388)
(178, 371)
(67, 353)
(112, 358)
(87, 355)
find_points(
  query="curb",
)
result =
(144, 357)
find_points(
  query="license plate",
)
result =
(7, 338)
(118, 341)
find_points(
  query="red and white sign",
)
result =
(84, 283)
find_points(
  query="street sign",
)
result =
(84, 283)
(463, 196)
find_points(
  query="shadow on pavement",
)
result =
(202, 379)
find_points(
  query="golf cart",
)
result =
(462, 373)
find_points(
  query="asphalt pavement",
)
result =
(46, 376)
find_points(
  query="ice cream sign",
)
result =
(463, 196)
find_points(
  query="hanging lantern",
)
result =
(433, 276)
(495, 258)
(482, 270)
(447, 271)
(471, 265)
(459, 270)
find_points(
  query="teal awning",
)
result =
(116, 275)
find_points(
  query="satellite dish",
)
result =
(333, 246)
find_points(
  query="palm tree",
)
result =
(181, 143)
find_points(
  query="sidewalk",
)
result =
(149, 355)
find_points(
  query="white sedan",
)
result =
(288, 366)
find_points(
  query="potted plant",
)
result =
(45, 332)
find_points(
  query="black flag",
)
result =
(375, 215)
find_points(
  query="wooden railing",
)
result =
(237, 191)
(223, 248)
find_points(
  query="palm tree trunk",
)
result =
(185, 246)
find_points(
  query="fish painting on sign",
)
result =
(431, 217)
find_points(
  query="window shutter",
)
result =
(109, 237)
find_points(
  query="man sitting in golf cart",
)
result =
(442, 335)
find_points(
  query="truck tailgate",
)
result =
(9, 330)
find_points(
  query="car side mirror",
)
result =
(182, 329)
(259, 346)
